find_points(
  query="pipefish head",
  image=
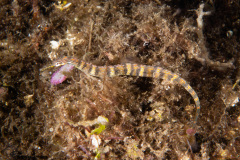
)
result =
(61, 62)
(56, 63)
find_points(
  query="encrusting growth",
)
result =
(130, 70)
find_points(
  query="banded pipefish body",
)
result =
(129, 69)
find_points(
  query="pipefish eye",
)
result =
(58, 64)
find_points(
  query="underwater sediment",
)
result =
(66, 113)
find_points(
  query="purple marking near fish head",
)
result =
(58, 77)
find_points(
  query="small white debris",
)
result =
(235, 102)
(62, 5)
(51, 129)
(96, 141)
(102, 120)
(229, 33)
(76, 19)
(55, 44)
(37, 147)
(66, 6)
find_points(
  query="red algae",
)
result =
(59, 76)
